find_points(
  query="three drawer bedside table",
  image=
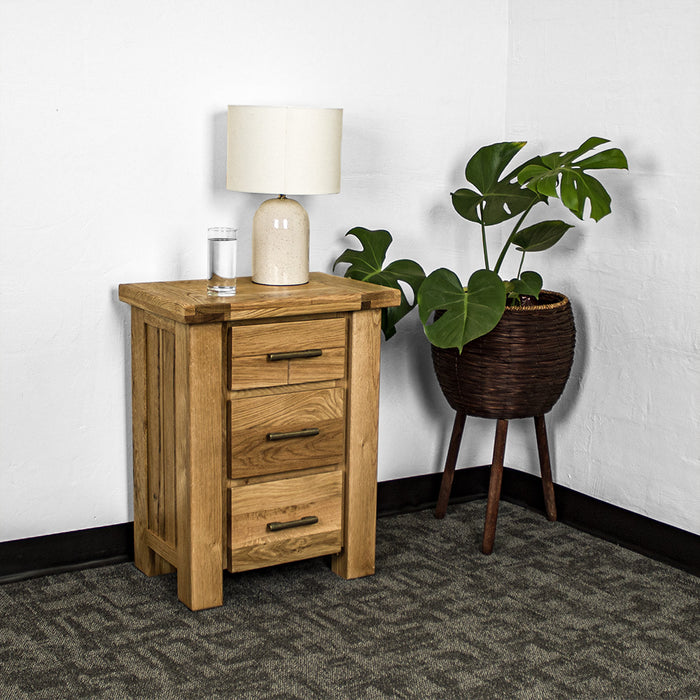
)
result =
(254, 427)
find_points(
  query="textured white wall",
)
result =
(112, 162)
(627, 429)
(112, 166)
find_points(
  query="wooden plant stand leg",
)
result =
(450, 462)
(499, 449)
(545, 468)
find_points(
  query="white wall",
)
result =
(112, 160)
(627, 429)
(112, 166)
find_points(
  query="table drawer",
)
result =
(290, 352)
(284, 432)
(285, 520)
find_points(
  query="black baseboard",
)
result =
(68, 551)
(420, 492)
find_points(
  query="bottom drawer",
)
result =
(281, 521)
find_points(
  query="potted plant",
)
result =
(502, 348)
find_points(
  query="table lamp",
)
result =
(284, 151)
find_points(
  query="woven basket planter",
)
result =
(517, 370)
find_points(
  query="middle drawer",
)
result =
(284, 432)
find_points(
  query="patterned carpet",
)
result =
(553, 613)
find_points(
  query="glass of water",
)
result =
(223, 248)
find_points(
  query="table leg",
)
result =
(357, 557)
(199, 450)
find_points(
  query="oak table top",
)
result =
(187, 301)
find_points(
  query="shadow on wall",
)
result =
(219, 124)
(433, 402)
(123, 312)
(572, 391)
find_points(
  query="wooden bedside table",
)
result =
(254, 427)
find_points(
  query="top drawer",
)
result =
(286, 352)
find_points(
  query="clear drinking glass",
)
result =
(223, 248)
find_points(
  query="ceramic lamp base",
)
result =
(280, 243)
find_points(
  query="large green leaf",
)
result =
(504, 201)
(485, 167)
(496, 200)
(468, 313)
(577, 188)
(365, 263)
(612, 158)
(590, 143)
(529, 283)
(540, 236)
(466, 203)
(366, 266)
(412, 274)
(561, 175)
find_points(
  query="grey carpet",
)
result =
(553, 613)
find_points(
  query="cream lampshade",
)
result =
(283, 150)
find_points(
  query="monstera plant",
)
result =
(501, 348)
(466, 312)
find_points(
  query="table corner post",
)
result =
(357, 557)
(199, 464)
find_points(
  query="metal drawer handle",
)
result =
(307, 520)
(308, 432)
(297, 354)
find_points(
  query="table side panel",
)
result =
(160, 392)
(145, 435)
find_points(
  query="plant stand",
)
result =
(496, 474)
(518, 370)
